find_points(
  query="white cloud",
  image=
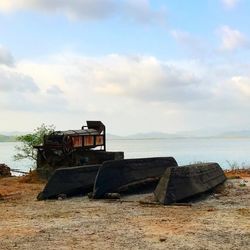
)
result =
(242, 84)
(230, 4)
(232, 39)
(119, 89)
(102, 81)
(6, 57)
(195, 45)
(20, 92)
(181, 36)
(110, 87)
(76, 8)
(139, 77)
(11, 81)
(54, 90)
(139, 10)
(142, 12)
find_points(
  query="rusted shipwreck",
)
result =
(71, 148)
(81, 164)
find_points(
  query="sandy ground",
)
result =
(214, 221)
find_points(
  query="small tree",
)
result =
(26, 150)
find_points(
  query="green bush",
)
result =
(28, 141)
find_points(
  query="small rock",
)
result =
(90, 195)
(217, 196)
(61, 196)
(242, 183)
(4, 170)
(162, 239)
(112, 196)
(211, 209)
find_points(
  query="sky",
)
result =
(136, 65)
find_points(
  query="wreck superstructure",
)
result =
(74, 148)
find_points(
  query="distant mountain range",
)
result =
(155, 135)
(242, 133)
(159, 135)
(11, 136)
(14, 133)
(7, 138)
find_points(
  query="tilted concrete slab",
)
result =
(116, 174)
(185, 181)
(70, 181)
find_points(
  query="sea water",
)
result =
(226, 151)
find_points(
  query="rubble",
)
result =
(4, 170)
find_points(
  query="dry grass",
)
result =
(237, 173)
(32, 177)
(16, 188)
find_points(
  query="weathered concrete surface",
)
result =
(116, 174)
(183, 182)
(219, 221)
(70, 181)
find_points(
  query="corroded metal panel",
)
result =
(99, 140)
(77, 141)
(88, 140)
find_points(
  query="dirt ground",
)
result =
(219, 220)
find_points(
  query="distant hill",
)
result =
(192, 134)
(7, 138)
(241, 134)
(11, 136)
(151, 135)
(14, 133)
(114, 137)
(141, 136)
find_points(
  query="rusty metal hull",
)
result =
(70, 181)
(180, 183)
(114, 175)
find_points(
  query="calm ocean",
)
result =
(186, 151)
